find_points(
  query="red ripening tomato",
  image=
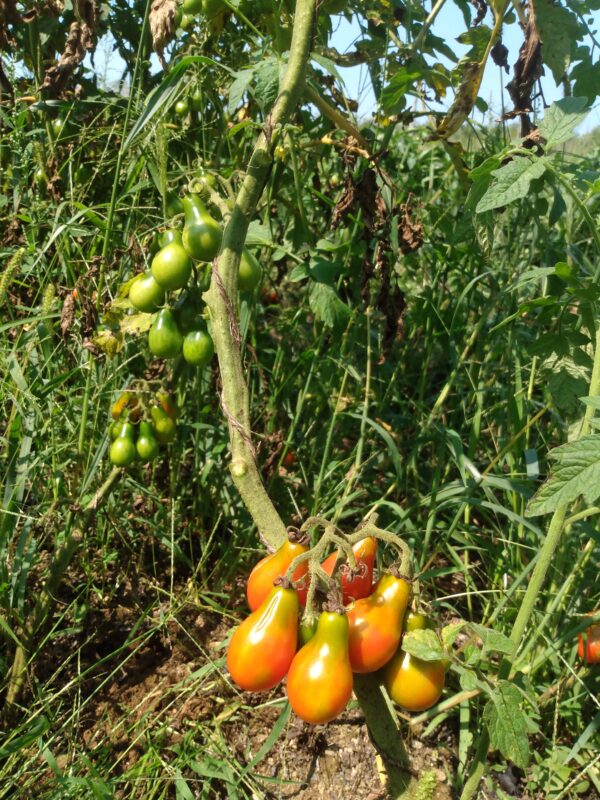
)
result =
(355, 587)
(588, 646)
(289, 459)
(268, 569)
(319, 683)
(262, 648)
(376, 623)
(414, 684)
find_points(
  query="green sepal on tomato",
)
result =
(360, 584)
(262, 647)
(273, 566)
(376, 623)
(319, 681)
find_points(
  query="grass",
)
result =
(444, 431)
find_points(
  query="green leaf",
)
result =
(562, 118)
(450, 633)
(568, 377)
(239, 87)
(586, 77)
(559, 31)
(493, 641)
(507, 724)
(576, 472)
(423, 644)
(327, 306)
(267, 82)
(511, 182)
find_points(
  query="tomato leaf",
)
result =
(576, 472)
(423, 644)
(493, 641)
(450, 633)
(562, 118)
(507, 724)
(511, 182)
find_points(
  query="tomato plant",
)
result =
(319, 683)
(263, 646)
(146, 444)
(376, 623)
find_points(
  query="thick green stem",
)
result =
(221, 298)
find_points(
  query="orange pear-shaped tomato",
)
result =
(376, 623)
(319, 683)
(355, 587)
(262, 648)
(268, 569)
(414, 684)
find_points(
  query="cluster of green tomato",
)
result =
(140, 426)
(181, 329)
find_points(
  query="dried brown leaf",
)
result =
(162, 26)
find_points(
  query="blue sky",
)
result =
(449, 25)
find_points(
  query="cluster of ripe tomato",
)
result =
(140, 425)
(319, 658)
(588, 646)
(181, 329)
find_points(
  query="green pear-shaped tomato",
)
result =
(250, 272)
(164, 338)
(198, 348)
(168, 236)
(171, 267)
(201, 234)
(146, 445)
(146, 294)
(122, 451)
(164, 425)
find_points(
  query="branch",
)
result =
(221, 297)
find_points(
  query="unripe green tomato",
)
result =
(187, 312)
(168, 236)
(164, 338)
(173, 204)
(145, 294)
(181, 108)
(57, 127)
(250, 272)
(172, 267)
(178, 16)
(164, 425)
(192, 6)
(146, 445)
(39, 178)
(122, 451)
(198, 348)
